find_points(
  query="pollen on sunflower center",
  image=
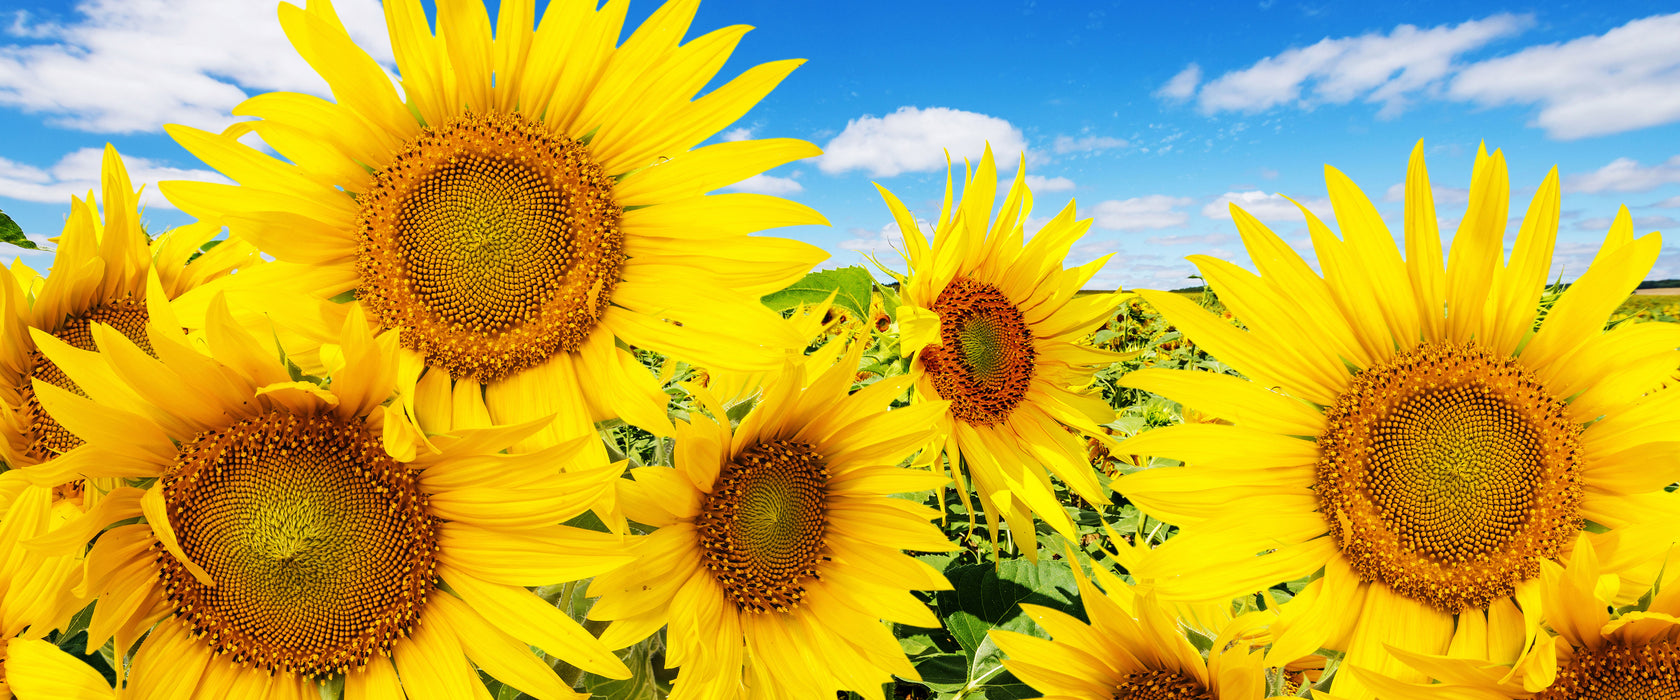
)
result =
(127, 316)
(492, 243)
(1160, 685)
(761, 527)
(1447, 474)
(1619, 672)
(321, 547)
(985, 360)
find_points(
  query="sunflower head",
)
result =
(778, 540)
(302, 530)
(1409, 429)
(535, 200)
(993, 325)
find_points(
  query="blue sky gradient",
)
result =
(1149, 116)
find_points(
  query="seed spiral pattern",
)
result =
(124, 314)
(761, 527)
(985, 361)
(1448, 473)
(322, 547)
(1619, 672)
(491, 243)
(1160, 685)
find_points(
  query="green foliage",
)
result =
(851, 287)
(11, 232)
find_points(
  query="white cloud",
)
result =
(738, 134)
(78, 172)
(1625, 175)
(1085, 144)
(1268, 208)
(1182, 86)
(1640, 224)
(887, 239)
(1443, 195)
(768, 184)
(1039, 183)
(1385, 69)
(1670, 203)
(1205, 239)
(915, 140)
(133, 65)
(1141, 213)
(1627, 78)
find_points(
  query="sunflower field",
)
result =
(417, 410)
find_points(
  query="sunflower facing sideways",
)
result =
(99, 275)
(779, 542)
(993, 325)
(280, 544)
(1591, 654)
(1406, 431)
(1132, 649)
(538, 199)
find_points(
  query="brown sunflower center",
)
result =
(761, 527)
(321, 547)
(1160, 685)
(491, 243)
(127, 316)
(1619, 672)
(985, 360)
(1448, 473)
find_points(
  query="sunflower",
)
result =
(994, 326)
(779, 542)
(279, 543)
(99, 275)
(1406, 432)
(35, 586)
(1590, 655)
(537, 203)
(1132, 649)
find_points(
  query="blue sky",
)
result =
(1150, 117)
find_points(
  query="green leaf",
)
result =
(993, 593)
(851, 287)
(11, 232)
(943, 672)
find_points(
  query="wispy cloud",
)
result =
(1087, 143)
(1625, 175)
(916, 140)
(1141, 213)
(1183, 85)
(768, 184)
(1039, 183)
(1624, 79)
(131, 66)
(77, 173)
(1205, 239)
(1386, 69)
(1268, 208)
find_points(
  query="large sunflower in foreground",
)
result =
(1591, 654)
(1132, 649)
(279, 543)
(1405, 429)
(993, 325)
(99, 275)
(779, 543)
(537, 199)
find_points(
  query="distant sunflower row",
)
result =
(355, 447)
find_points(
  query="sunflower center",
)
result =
(491, 243)
(984, 363)
(1619, 672)
(127, 316)
(321, 546)
(1447, 474)
(1160, 685)
(761, 527)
